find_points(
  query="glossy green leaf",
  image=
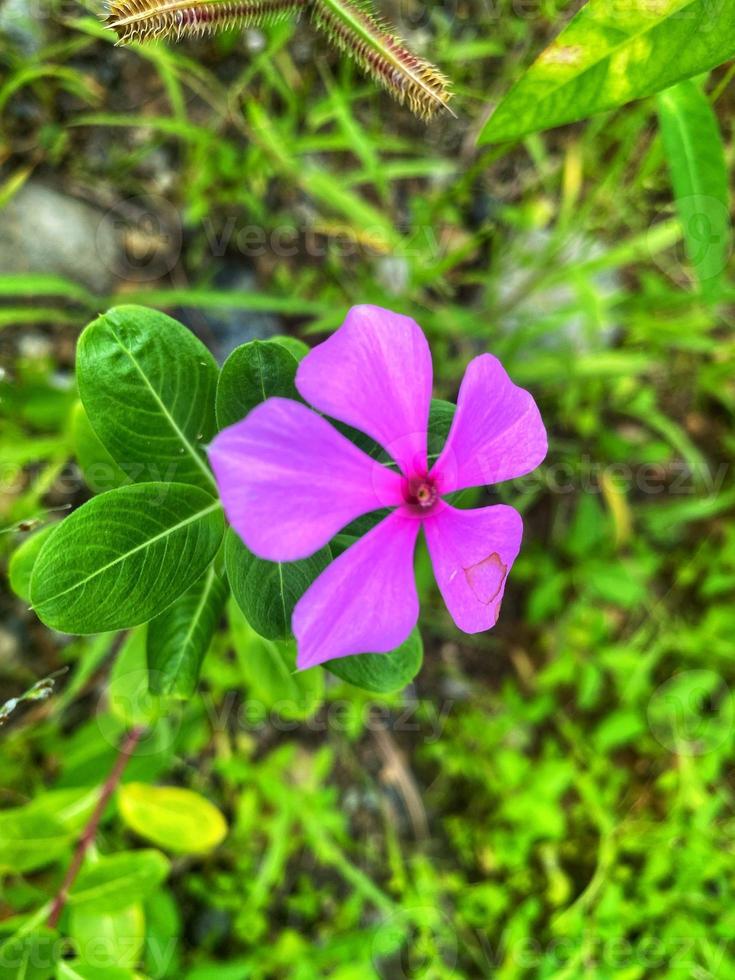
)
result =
(148, 387)
(297, 347)
(23, 559)
(116, 881)
(611, 54)
(100, 470)
(178, 819)
(178, 639)
(382, 672)
(258, 370)
(269, 670)
(696, 158)
(108, 939)
(267, 591)
(124, 556)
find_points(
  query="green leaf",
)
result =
(611, 54)
(31, 840)
(100, 470)
(269, 669)
(123, 557)
(441, 415)
(179, 638)
(381, 672)
(128, 691)
(115, 882)
(77, 970)
(178, 819)
(108, 939)
(148, 386)
(267, 591)
(252, 373)
(696, 160)
(297, 347)
(28, 949)
(23, 559)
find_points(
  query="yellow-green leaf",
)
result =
(176, 819)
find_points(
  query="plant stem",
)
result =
(126, 750)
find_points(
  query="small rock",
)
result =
(44, 231)
(393, 274)
(556, 305)
(23, 26)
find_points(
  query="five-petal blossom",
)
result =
(289, 481)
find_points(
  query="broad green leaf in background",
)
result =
(108, 939)
(696, 158)
(116, 881)
(124, 556)
(613, 53)
(256, 371)
(77, 970)
(148, 387)
(178, 819)
(178, 639)
(128, 691)
(267, 591)
(381, 672)
(100, 470)
(269, 670)
(28, 949)
(31, 840)
(23, 559)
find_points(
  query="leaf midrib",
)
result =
(144, 544)
(164, 410)
(196, 616)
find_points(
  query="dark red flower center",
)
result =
(420, 493)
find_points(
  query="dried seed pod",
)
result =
(145, 20)
(349, 24)
(356, 31)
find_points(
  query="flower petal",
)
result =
(375, 374)
(472, 552)
(365, 601)
(496, 434)
(289, 481)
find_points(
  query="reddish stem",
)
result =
(123, 757)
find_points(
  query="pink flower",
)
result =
(289, 481)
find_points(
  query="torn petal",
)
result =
(472, 552)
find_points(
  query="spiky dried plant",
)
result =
(349, 24)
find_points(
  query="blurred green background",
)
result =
(551, 799)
